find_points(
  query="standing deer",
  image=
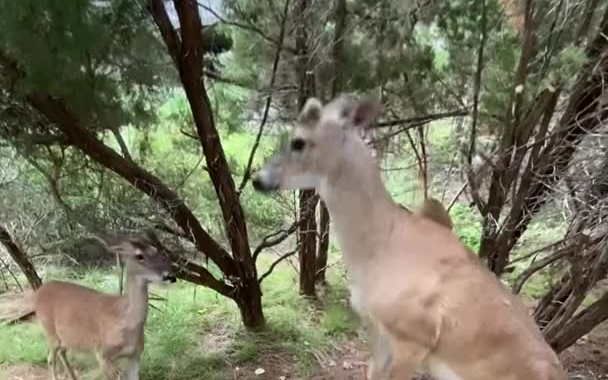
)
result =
(430, 304)
(112, 326)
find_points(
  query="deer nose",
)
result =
(169, 277)
(263, 185)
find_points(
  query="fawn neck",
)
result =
(362, 211)
(137, 299)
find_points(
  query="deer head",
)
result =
(323, 138)
(143, 258)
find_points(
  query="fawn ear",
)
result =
(311, 113)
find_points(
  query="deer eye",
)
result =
(139, 257)
(297, 144)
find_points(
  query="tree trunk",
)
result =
(188, 57)
(20, 258)
(308, 243)
(307, 231)
(336, 87)
(322, 254)
(249, 301)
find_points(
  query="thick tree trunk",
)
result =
(308, 243)
(20, 258)
(249, 301)
(307, 231)
(336, 87)
(188, 57)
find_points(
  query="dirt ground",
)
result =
(586, 360)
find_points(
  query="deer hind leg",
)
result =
(64, 360)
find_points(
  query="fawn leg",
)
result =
(64, 360)
(52, 361)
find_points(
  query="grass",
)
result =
(197, 333)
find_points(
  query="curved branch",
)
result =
(277, 262)
(146, 182)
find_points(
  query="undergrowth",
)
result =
(196, 333)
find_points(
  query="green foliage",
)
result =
(86, 53)
(467, 224)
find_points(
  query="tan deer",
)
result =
(431, 305)
(112, 326)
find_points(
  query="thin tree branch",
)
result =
(421, 120)
(121, 142)
(250, 27)
(278, 261)
(477, 84)
(275, 67)
(276, 238)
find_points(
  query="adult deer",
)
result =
(112, 326)
(430, 303)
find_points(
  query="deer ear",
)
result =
(311, 113)
(364, 112)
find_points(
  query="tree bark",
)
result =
(20, 258)
(307, 232)
(336, 87)
(582, 116)
(323, 251)
(581, 324)
(187, 54)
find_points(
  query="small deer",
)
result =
(429, 302)
(112, 326)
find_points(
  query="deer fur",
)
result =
(433, 209)
(429, 302)
(112, 326)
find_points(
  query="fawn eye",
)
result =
(297, 144)
(139, 257)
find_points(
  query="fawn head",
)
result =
(324, 136)
(144, 260)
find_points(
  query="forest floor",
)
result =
(586, 360)
(195, 334)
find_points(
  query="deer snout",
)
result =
(262, 183)
(168, 276)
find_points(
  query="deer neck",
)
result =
(361, 208)
(136, 295)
